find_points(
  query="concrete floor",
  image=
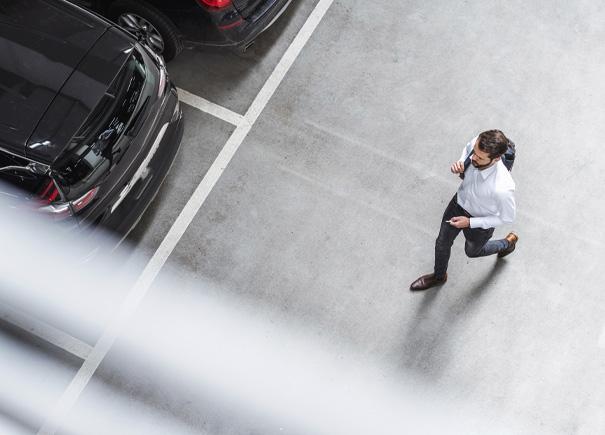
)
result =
(330, 208)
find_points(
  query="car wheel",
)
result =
(149, 24)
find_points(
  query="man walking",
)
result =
(485, 200)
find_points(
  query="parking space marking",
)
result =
(209, 107)
(46, 332)
(602, 339)
(138, 292)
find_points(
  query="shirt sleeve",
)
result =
(467, 149)
(506, 212)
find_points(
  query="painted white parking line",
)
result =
(209, 107)
(138, 292)
(46, 332)
(602, 339)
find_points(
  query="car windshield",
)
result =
(97, 147)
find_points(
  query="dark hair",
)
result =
(493, 142)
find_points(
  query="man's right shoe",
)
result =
(426, 282)
(512, 239)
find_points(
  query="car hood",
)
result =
(48, 53)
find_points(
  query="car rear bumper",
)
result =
(248, 29)
(262, 19)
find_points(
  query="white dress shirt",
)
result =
(488, 194)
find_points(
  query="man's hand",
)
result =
(460, 222)
(457, 167)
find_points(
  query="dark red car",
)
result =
(168, 25)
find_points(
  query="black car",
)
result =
(166, 25)
(89, 122)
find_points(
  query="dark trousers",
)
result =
(478, 243)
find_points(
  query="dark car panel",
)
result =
(246, 7)
(101, 143)
(80, 94)
(121, 208)
(94, 148)
(261, 17)
(37, 61)
(194, 23)
(131, 179)
(235, 25)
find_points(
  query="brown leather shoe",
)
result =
(512, 241)
(427, 281)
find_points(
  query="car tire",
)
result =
(164, 26)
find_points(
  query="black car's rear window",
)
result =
(97, 147)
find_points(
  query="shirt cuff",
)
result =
(485, 222)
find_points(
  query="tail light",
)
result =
(84, 200)
(62, 210)
(215, 3)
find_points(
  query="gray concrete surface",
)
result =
(33, 375)
(203, 138)
(330, 208)
(231, 78)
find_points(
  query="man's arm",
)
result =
(506, 212)
(458, 166)
(467, 149)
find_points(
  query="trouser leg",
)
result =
(445, 239)
(478, 243)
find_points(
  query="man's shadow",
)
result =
(425, 348)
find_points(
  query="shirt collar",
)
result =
(489, 171)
